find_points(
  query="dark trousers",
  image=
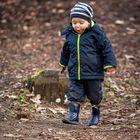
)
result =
(79, 89)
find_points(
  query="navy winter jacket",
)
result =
(86, 54)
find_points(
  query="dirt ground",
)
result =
(29, 41)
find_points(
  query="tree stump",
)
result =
(50, 84)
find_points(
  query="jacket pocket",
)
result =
(90, 65)
(72, 66)
(99, 64)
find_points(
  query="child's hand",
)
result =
(63, 69)
(111, 71)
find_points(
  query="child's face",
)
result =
(79, 24)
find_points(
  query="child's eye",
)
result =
(73, 22)
(81, 22)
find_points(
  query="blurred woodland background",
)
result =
(29, 42)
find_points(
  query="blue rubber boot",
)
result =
(95, 116)
(73, 115)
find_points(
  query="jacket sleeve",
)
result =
(107, 51)
(64, 58)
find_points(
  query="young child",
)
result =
(87, 52)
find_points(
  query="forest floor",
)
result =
(29, 42)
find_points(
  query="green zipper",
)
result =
(78, 51)
(78, 55)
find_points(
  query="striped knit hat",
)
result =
(82, 10)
